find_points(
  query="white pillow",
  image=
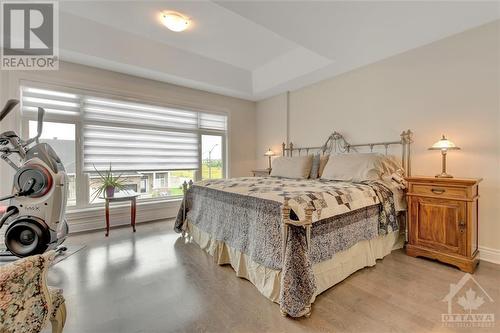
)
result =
(358, 167)
(292, 167)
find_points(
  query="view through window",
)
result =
(150, 185)
(211, 153)
(154, 149)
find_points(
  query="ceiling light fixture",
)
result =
(175, 21)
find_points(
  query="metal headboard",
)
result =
(337, 144)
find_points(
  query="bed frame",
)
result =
(335, 144)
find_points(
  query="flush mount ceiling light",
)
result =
(174, 21)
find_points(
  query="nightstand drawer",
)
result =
(439, 190)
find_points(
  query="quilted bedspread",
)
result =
(245, 213)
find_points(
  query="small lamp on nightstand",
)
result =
(269, 153)
(444, 145)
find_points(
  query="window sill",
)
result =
(93, 218)
(140, 203)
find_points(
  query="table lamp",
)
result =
(444, 145)
(269, 153)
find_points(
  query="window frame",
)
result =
(223, 149)
(82, 183)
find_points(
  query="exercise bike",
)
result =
(36, 212)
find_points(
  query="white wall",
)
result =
(241, 132)
(271, 127)
(450, 86)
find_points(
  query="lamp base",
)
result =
(444, 175)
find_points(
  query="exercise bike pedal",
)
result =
(61, 249)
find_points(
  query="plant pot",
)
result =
(110, 191)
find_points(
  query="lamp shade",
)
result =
(444, 144)
(269, 152)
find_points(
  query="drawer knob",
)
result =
(438, 190)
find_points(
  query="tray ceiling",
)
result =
(256, 49)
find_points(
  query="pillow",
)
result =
(322, 163)
(358, 167)
(315, 167)
(292, 167)
(391, 164)
(318, 165)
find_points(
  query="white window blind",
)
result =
(213, 121)
(120, 112)
(54, 102)
(131, 136)
(138, 149)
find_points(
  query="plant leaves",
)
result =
(107, 180)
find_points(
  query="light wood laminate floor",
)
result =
(152, 281)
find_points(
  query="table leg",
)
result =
(107, 218)
(133, 213)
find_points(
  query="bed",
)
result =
(295, 238)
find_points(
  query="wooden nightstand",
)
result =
(261, 172)
(443, 220)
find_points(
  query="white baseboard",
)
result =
(489, 254)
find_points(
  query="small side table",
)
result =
(443, 220)
(119, 197)
(261, 172)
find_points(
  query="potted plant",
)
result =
(107, 183)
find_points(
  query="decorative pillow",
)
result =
(292, 167)
(358, 167)
(315, 167)
(391, 164)
(322, 163)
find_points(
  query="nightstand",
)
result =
(443, 220)
(261, 172)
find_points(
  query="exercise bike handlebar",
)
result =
(11, 104)
(41, 114)
(19, 146)
(12, 141)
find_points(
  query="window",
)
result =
(212, 153)
(144, 184)
(153, 148)
(62, 138)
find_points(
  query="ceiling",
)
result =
(256, 49)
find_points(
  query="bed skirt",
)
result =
(327, 273)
